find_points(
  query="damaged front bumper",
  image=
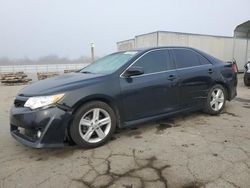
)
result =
(39, 128)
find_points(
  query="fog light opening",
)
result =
(39, 133)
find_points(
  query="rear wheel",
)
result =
(216, 100)
(93, 125)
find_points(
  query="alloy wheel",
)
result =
(95, 125)
(217, 99)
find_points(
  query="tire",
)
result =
(215, 102)
(93, 125)
(246, 81)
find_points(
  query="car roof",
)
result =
(155, 48)
(161, 47)
(208, 56)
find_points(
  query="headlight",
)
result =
(41, 101)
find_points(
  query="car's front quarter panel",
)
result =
(106, 88)
(52, 121)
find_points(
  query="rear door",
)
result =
(195, 73)
(155, 91)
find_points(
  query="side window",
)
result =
(185, 58)
(154, 61)
(203, 60)
(169, 60)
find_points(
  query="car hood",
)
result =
(59, 84)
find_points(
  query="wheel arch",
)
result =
(103, 98)
(226, 88)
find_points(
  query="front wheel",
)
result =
(216, 100)
(93, 124)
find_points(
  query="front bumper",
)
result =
(51, 123)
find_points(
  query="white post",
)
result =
(92, 45)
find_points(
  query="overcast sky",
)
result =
(34, 28)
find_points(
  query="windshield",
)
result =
(109, 63)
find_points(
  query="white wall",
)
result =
(147, 40)
(172, 39)
(126, 45)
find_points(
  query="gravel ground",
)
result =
(191, 150)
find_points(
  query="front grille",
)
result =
(29, 134)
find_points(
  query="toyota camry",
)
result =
(119, 90)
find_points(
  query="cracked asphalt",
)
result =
(185, 151)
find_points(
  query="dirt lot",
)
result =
(192, 150)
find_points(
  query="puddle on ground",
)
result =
(187, 145)
(138, 136)
(193, 185)
(165, 125)
(127, 186)
(113, 138)
(64, 153)
(133, 133)
(133, 128)
(42, 158)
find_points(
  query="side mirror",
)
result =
(133, 71)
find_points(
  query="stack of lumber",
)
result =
(16, 78)
(44, 75)
(69, 70)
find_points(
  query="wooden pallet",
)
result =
(16, 78)
(69, 70)
(44, 75)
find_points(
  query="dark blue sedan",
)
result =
(119, 90)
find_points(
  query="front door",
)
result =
(154, 92)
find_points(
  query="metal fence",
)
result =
(41, 68)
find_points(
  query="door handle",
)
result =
(210, 71)
(171, 77)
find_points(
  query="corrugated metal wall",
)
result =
(248, 50)
(240, 51)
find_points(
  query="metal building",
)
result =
(241, 45)
(222, 47)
